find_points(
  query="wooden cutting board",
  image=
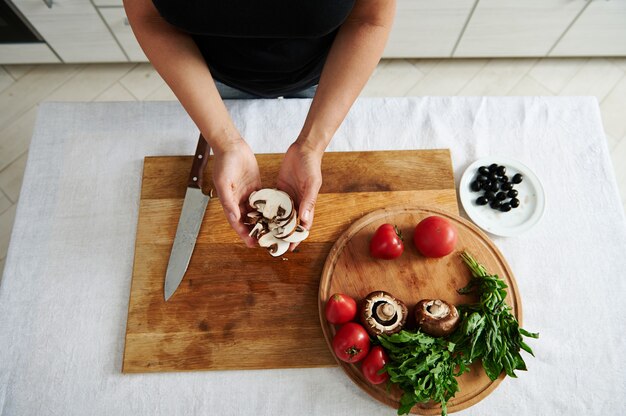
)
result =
(240, 308)
(412, 277)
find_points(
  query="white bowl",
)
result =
(515, 222)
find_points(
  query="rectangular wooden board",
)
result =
(240, 308)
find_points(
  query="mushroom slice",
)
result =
(278, 223)
(436, 317)
(283, 221)
(299, 234)
(289, 213)
(258, 228)
(381, 313)
(258, 198)
(272, 203)
(253, 218)
(287, 229)
(276, 247)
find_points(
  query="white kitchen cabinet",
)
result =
(509, 28)
(106, 3)
(115, 17)
(599, 31)
(73, 29)
(26, 53)
(426, 28)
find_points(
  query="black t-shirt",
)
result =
(268, 48)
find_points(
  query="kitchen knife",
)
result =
(194, 206)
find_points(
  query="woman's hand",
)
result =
(236, 176)
(300, 176)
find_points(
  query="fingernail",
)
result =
(232, 217)
(306, 215)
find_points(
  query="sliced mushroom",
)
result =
(289, 212)
(272, 203)
(253, 218)
(436, 317)
(278, 223)
(256, 230)
(284, 220)
(381, 313)
(275, 222)
(276, 246)
(287, 229)
(299, 234)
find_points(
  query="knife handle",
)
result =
(199, 163)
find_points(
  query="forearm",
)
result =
(353, 57)
(177, 59)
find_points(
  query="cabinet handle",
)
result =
(48, 3)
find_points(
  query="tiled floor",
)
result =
(23, 87)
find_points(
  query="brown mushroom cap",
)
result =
(381, 313)
(436, 317)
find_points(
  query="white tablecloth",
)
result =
(64, 294)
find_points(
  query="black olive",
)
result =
(506, 186)
(493, 176)
(514, 202)
(506, 207)
(486, 185)
(483, 170)
(512, 193)
(501, 170)
(475, 186)
(501, 196)
(495, 204)
(517, 178)
(482, 200)
(504, 178)
(493, 167)
(494, 186)
(490, 195)
(482, 178)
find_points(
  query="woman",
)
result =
(265, 49)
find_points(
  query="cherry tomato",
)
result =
(435, 237)
(373, 363)
(351, 343)
(340, 309)
(386, 243)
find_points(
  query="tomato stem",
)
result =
(398, 232)
(353, 351)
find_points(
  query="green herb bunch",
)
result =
(489, 331)
(425, 367)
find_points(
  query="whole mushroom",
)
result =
(382, 313)
(436, 317)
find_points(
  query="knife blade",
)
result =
(194, 207)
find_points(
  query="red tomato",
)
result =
(373, 363)
(340, 309)
(351, 343)
(386, 243)
(435, 237)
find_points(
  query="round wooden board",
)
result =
(349, 269)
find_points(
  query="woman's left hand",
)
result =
(300, 176)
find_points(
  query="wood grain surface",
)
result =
(412, 277)
(240, 308)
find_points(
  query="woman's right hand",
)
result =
(236, 176)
